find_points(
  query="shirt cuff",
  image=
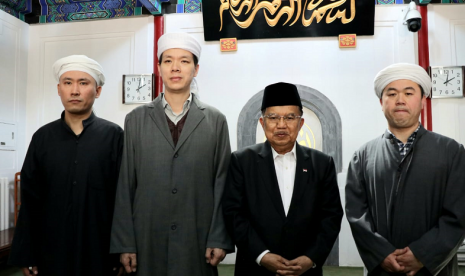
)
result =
(259, 258)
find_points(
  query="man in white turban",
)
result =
(168, 218)
(405, 190)
(68, 183)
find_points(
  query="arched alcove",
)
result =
(313, 100)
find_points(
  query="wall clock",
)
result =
(138, 88)
(447, 81)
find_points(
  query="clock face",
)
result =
(137, 88)
(447, 81)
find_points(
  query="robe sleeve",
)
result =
(372, 247)
(115, 257)
(439, 245)
(122, 233)
(25, 241)
(236, 214)
(331, 215)
(218, 236)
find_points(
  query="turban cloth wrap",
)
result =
(79, 63)
(402, 71)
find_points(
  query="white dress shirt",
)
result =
(284, 165)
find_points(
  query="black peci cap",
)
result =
(280, 94)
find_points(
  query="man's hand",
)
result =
(302, 262)
(409, 261)
(26, 271)
(214, 256)
(390, 264)
(275, 263)
(129, 261)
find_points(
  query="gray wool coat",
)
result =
(168, 200)
(416, 201)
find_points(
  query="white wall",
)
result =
(121, 46)
(13, 79)
(227, 80)
(446, 33)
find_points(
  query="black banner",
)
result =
(255, 19)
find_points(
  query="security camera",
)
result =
(412, 17)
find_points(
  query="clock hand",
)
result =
(140, 87)
(447, 82)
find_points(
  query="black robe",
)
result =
(417, 201)
(68, 185)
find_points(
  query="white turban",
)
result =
(402, 71)
(180, 41)
(79, 63)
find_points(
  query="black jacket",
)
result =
(254, 212)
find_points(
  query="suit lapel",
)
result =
(194, 117)
(303, 169)
(158, 116)
(268, 174)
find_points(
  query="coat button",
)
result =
(174, 191)
(74, 183)
(176, 155)
(173, 227)
(75, 162)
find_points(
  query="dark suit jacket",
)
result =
(254, 212)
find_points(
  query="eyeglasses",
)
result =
(274, 119)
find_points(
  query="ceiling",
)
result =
(45, 11)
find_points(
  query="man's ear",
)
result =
(423, 102)
(196, 70)
(302, 121)
(159, 70)
(99, 90)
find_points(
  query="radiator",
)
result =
(4, 203)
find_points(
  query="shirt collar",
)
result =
(89, 120)
(85, 123)
(186, 103)
(275, 154)
(412, 136)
